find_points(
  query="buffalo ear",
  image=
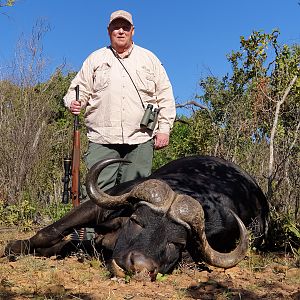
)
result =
(108, 232)
(107, 241)
(111, 225)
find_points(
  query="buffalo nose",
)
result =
(138, 263)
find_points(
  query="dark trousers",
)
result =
(140, 155)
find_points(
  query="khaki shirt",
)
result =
(113, 109)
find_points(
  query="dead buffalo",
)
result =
(198, 205)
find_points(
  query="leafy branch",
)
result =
(7, 3)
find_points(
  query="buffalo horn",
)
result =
(154, 193)
(95, 193)
(186, 209)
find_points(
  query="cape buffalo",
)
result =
(199, 205)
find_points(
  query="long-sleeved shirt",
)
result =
(113, 108)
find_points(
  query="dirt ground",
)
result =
(267, 276)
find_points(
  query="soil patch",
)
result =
(264, 276)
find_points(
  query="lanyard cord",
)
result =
(110, 47)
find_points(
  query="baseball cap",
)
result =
(121, 14)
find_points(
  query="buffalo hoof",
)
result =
(17, 247)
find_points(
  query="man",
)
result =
(116, 84)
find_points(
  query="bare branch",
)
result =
(182, 121)
(192, 102)
(273, 132)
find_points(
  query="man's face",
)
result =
(120, 32)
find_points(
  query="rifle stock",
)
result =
(75, 189)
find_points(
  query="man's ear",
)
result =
(133, 31)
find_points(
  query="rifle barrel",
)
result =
(76, 158)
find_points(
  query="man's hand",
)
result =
(75, 107)
(161, 140)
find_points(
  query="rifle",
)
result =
(75, 190)
(75, 187)
(75, 162)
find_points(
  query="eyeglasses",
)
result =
(118, 27)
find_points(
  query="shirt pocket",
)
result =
(145, 81)
(101, 77)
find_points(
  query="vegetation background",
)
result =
(250, 116)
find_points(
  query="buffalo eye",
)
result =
(171, 245)
(135, 220)
(176, 245)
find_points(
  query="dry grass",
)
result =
(266, 276)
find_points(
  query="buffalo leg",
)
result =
(79, 217)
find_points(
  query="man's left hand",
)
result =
(161, 140)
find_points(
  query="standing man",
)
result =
(116, 85)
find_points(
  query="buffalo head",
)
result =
(162, 225)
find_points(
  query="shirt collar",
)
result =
(125, 54)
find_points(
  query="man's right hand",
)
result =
(75, 107)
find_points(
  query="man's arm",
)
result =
(84, 79)
(167, 113)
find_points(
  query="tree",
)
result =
(252, 117)
(28, 128)
(258, 106)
